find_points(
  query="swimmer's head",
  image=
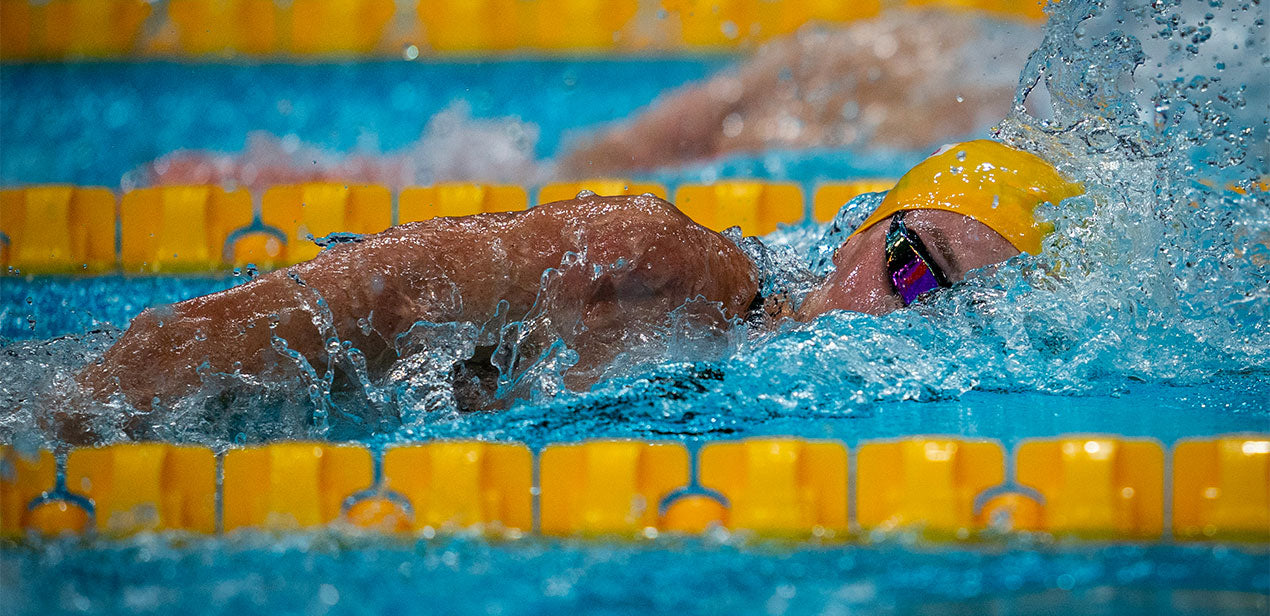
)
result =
(986, 181)
(968, 206)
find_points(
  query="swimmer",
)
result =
(907, 79)
(968, 206)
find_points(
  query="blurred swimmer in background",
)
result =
(907, 80)
(598, 274)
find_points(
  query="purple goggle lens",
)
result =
(908, 264)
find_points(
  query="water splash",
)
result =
(454, 147)
(1165, 244)
(1157, 275)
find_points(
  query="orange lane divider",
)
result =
(338, 27)
(780, 486)
(1221, 488)
(482, 26)
(459, 484)
(693, 514)
(318, 210)
(457, 199)
(58, 229)
(225, 26)
(179, 228)
(1097, 486)
(259, 27)
(27, 482)
(474, 26)
(59, 28)
(146, 486)
(580, 25)
(925, 483)
(23, 479)
(830, 197)
(757, 207)
(291, 485)
(607, 487)
(1085, 487)
(382, 28)
(605, 187)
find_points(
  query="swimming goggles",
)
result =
(908, 263)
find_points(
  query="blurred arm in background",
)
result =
(905, 80)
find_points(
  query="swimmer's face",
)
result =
(860, 282)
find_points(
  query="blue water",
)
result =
(1146, 316)
(47, 307)
(325, 574)
(141, 111)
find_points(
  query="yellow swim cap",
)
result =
(992, 183)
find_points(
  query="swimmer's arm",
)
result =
(441, 270)
(164, 350)
(355, 293)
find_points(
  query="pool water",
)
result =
(458, 575)
(1146, 316)
(142, 111)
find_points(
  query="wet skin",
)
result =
(651, 260)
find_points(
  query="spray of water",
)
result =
(454, 147)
